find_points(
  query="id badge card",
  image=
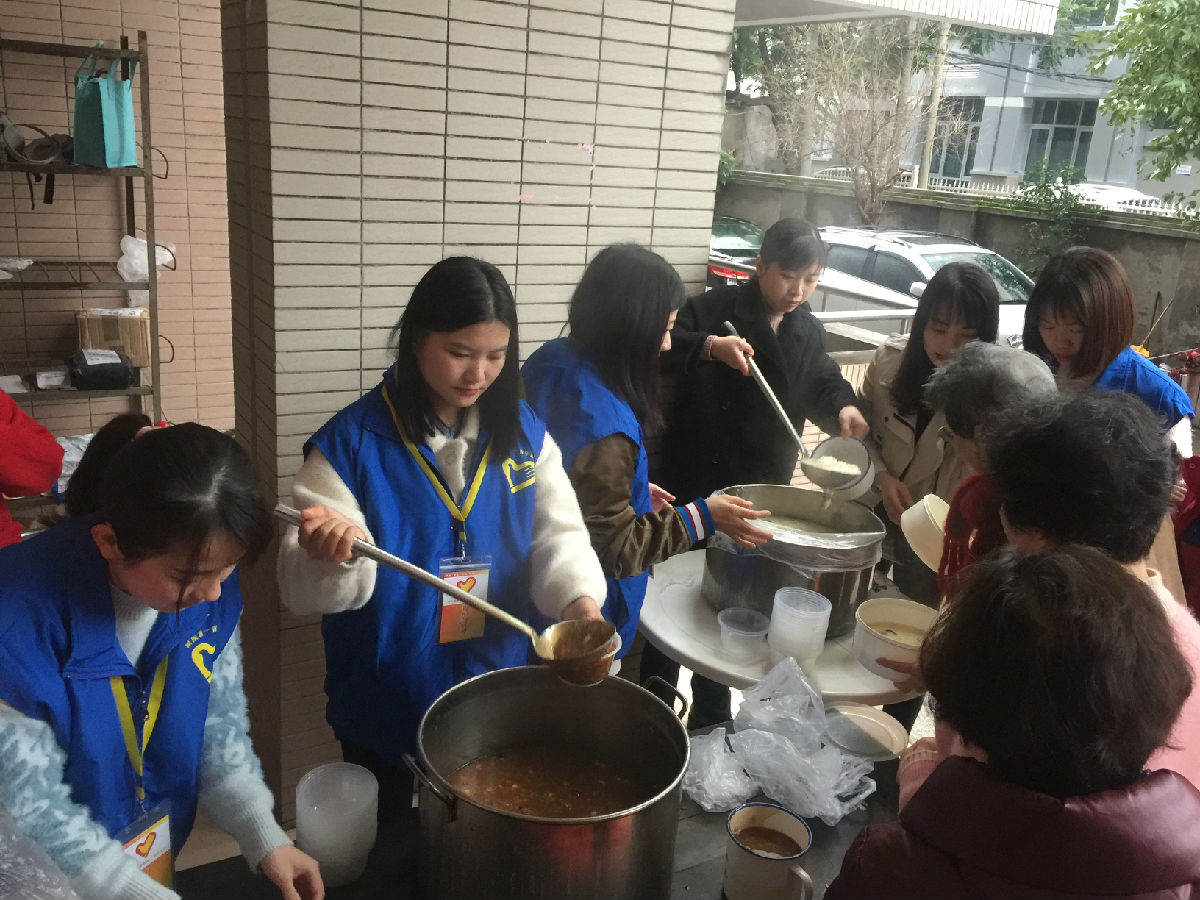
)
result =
(148, 840)
(460, 622)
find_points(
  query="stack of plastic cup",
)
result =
(799, 620)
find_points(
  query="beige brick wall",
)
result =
(85, 220)
(370, 139)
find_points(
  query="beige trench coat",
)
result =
(928, 465)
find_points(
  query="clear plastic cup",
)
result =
(743, 633)
(799, 621)
(336, 808)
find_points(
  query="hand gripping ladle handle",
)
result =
(770, 394)
(369, 550)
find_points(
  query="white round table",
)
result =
(678, 620)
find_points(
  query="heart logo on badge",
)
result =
(467, 583)
(143, 849)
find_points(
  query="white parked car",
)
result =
(1119, 199)
(880, 269)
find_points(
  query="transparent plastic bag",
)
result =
(825, 783)
(715, 778)
(26, 872)
(134, 264)
(779, 747)
(786, 704)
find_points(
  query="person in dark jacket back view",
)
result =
(1060, 673)
(722, 430)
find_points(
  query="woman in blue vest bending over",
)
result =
(598, 391)
(121, 666)
(442, 464)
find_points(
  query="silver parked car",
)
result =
(892, 267)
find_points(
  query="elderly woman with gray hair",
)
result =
(976, 384)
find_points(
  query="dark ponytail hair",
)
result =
(83, 489)
(618, 316)
(184, 483)
(458, 292)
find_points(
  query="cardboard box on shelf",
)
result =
(126, 329)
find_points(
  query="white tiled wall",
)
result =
(370, 139)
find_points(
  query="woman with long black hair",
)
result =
(598, 391)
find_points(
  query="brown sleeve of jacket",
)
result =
(627, 544)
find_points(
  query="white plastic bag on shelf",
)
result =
(715, 778)
(134, 264)
(26, 872)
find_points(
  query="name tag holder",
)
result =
(460, 622)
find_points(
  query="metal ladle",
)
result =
(577, 650)
(819, 476)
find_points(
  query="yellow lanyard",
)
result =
(125, 714)
(459, 514)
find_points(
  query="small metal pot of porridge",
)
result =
(529, 787)
(817, 542)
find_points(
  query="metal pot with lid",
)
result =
(471, 848)
(818, 542)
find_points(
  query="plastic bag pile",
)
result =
(26, 872)
(778, 746)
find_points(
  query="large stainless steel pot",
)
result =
(468, 850)
(838, 564)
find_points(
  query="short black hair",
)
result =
(794, 244)
(1094, 468)
(1061, 666)
(618, 316)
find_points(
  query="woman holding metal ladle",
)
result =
(443, 465)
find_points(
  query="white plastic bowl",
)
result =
(849, 450)
(924, 524)
(880, 632)
(743, 633)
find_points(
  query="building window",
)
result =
(1061, 135)
(957, 137)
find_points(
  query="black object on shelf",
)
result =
(100, 370)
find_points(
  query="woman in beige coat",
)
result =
(912, 453)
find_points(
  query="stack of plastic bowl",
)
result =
(743, 633)
(799, 620)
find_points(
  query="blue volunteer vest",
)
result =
(1132, 373)
(384, 665)
(580, 409)
(58, 651)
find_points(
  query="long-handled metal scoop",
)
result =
(578, 650)
(817, 474)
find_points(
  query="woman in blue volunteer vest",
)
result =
(442, 464)
(598, 392)
(1080, 320)
(120, 665)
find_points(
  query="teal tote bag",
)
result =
(104, 134)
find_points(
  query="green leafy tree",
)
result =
(1057, 217)
(1161, 41)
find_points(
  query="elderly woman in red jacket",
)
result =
(30, 461)
(1060, 670)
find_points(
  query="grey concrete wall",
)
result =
(1162, 258)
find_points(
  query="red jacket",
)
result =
(965, 833)
(30, 461)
